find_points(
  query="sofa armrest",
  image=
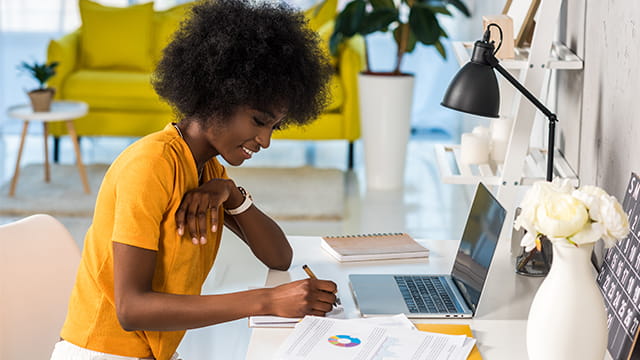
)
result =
(65, 52)
(351, 61)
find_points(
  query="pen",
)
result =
(309, 272)
(313, 276)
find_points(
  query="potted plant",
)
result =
(386, 97)
(42, 96)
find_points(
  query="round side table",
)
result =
(65, 111)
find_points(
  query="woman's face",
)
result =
(246, 132)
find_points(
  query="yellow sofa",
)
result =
(120, 96)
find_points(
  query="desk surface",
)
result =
(500, 330)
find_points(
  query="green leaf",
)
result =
(378, 20)
(441, 49)
(458, 4)
(411, 43)
(348, 22)
(424, 24)
(381, 4)
(334, 43)
(40, 72)
(440, 10)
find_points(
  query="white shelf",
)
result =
(454, 171)
(561, 57)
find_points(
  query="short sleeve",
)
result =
(142, 197)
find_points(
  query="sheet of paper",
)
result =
(465, 350)
(316, 338)
(278, 321)
(420, 345)
(395, 321)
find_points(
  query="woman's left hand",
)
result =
(192, 212)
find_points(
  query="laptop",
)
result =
(439, 296)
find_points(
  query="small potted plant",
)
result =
(42, 96)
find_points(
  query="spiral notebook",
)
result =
(373, 247)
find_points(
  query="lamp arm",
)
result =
(527, 94)
(524, 92)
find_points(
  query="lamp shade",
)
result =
(474, 89)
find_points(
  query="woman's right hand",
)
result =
(303, 297)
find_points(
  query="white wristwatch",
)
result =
(246, 204)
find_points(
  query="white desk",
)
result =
(500, 331)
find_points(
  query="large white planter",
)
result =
(568, 318)
(385, 113)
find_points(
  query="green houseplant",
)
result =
(385, 98)
(42, 96)
(411, 21)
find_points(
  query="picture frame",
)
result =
(522, 12)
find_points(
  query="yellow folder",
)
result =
(452, 329)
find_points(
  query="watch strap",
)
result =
(246, 204)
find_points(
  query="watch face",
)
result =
(244, 193)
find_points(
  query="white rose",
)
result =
(562, 185)
(562, 215)
(589, 234)
(605, 210)
(591, 196)
(540, 192)
(614, 220)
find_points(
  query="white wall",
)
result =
(606, 121)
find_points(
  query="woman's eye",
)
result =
(258, 122)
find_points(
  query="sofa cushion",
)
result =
(165, 23)
(320, 13)
(337, 94)
(324, 33)
(125, 91)
(114, 37)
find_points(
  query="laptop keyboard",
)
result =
(425, 294)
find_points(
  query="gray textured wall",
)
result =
(601, 104)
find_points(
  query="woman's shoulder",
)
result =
(164, 145)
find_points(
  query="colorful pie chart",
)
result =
(344, 341)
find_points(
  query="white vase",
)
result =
(385, 116)
(568, 319)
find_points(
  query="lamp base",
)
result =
(534, 262)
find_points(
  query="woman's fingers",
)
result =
(197, 207)
(214, 218)
(305, 297)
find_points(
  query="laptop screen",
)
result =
(478, 243)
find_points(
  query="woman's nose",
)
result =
(264, 138)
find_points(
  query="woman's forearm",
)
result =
(156, 311)
(265, 238)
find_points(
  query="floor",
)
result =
(425, 208)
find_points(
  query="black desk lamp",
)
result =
(474, 90)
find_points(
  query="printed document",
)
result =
(317, 338)
(385, 338)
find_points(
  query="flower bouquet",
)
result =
(560, 213)
(568, 314)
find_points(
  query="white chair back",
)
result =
(38, 263)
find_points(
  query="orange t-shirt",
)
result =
(136, 205)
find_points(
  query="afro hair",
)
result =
(232, 53)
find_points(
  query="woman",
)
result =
(234, 72)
